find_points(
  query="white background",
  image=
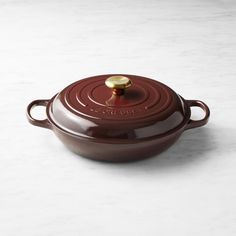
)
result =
(45, 190)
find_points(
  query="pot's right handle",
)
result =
(197, 123)
(41, 123)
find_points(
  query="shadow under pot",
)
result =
(118, 118)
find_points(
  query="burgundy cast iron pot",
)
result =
(118, 117)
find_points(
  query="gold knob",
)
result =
(118, 83)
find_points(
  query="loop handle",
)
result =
(197, 123)
(41, 123)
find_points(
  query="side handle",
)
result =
(41, 123)
(197, 123)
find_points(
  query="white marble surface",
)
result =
(188, 190)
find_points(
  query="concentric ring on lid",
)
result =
(92, 98)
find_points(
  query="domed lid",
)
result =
(117, 107)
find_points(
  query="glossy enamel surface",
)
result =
(140, 122)
(88, 108)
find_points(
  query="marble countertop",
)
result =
(190, 189)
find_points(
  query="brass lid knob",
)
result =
(118, 83)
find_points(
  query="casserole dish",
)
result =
(118, 117)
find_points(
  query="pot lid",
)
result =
(117, 106)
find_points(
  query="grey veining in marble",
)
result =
(188, 190)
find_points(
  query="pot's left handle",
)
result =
(41, 123)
